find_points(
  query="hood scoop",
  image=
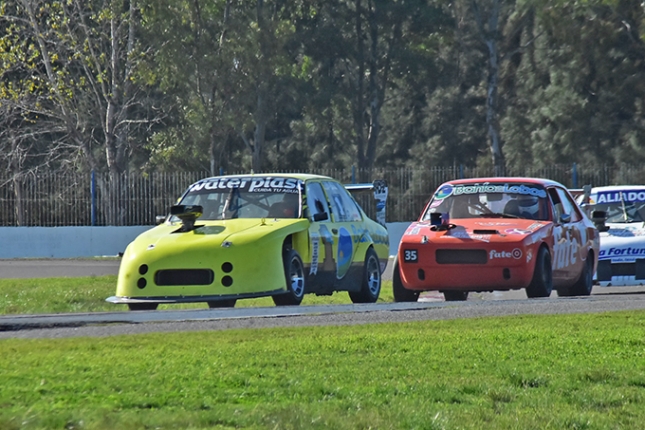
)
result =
(187, 215)
(485, 231)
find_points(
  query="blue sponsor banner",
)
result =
(615, 196)
(621, 252)
(447, 190)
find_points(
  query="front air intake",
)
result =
(184, 277)
(461, 256)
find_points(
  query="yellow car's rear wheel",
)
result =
(371, 283)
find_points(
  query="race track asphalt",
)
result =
(431, 306)
(55, 268)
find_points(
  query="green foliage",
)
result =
(581, 87)
(528, 372)
(301, 85)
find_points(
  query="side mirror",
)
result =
(160, 219)
(187, 215)
(565, 218)
(599, 218)
(321, 216)
(435, 218)
(440, 222)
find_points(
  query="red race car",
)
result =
(489, 234)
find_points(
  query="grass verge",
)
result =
(88, 294)
(522, 372)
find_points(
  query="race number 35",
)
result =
(410, 255)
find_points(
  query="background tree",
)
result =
(580, 88)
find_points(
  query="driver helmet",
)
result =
(529, 206)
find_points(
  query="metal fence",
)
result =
(56, 199)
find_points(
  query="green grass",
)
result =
(522, 372)
(577, 372)
(88, 294)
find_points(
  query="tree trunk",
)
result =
(489, 33)
(15, 165)
(359, 108)
(492, 122)
(262, 88)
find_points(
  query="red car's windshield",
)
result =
(490, 200)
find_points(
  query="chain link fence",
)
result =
(63, 199)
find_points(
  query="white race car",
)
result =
(621, 261)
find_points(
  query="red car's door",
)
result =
(568, 240)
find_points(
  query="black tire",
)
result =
(371, 283)
(455, 295)
(143, 306)
(542, 283)
(295, 277)
(401, 294)
(584, 284)
(229, 303)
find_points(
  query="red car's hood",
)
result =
(486, 229)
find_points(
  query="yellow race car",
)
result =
(244, 236)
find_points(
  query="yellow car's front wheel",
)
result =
(295, 276)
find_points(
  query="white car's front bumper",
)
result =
(620, 273)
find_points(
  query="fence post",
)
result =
(574, 174)
(353, 174)
(93, 198)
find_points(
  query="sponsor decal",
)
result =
(462, 234)
(443, 192)
(515, 254)
(494, 223)
(344, 253)
(621, 252)
(536, 237)
(496, 188)
(535, 226)
(615, 196)
(327, 263)
(516, 231)
(414, 231)
(250, 184)
(315, 253)
(564, 250)
(626, 232)
(529, 256)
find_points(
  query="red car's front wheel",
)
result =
(401, 294)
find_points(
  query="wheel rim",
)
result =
(296, 275)
(373, 276)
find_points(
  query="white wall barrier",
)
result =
(79, 242)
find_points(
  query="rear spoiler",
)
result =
(581, 195)
(379, 187)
